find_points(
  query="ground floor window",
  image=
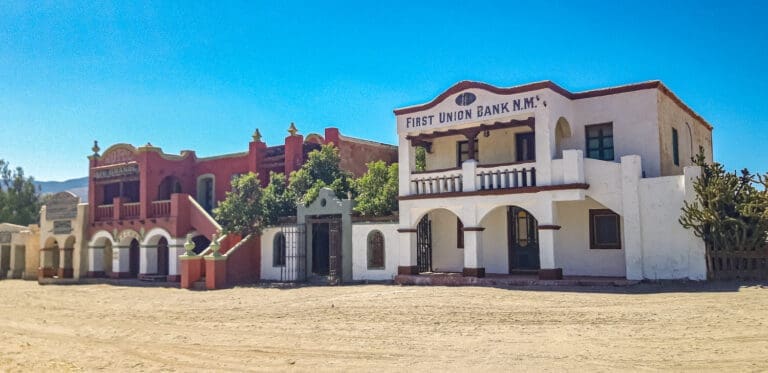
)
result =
(375, 250)
(604, 230)
(278, 250)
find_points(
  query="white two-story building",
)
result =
(537, 179)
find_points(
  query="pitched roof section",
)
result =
(467, 84)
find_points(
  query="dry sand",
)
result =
(377, 327)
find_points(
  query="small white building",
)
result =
(535, 178)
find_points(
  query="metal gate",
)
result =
(295, 268)
(424, 244)
(334, 252)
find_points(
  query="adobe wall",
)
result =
(692, 132)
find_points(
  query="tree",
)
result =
(241, 212)
(377, 190)
(421, 158)
(729, 211)
(322, 169)
(19, 198)
(277, 200)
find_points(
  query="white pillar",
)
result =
(407, 251)
(148, 259)
(95, 259)
(473, 252)
(405, 158)
(545, 146)
(631, 172)
(545, 216)
(121, 259)
(174, 263)
(573, 167)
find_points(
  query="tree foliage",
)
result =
(242, 210)
(322, 169)
(729, 212)
(19, 198)
(421, 158)
(277, 199)
(377, 190)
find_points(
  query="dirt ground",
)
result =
(720, 327)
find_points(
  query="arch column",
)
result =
(174, 263)
(96, 261)
(147, 259)
(407, 264)
(121, 262)
(473, 252)
(547, 230)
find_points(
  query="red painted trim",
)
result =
(496, 191)
(552, 227)
(473, 229)
(463, 85)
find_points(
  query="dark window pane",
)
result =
(375, 250)
(608, 155)
(594, 154)
(594, 143)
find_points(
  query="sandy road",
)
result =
(378, 327)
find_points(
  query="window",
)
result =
(375, 250)
(675, 149)
(526, 146)
(462, 152)
(604, 232)
(278, 250)
(459, 234)
(600, 141)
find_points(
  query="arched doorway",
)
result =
(440, 242)
(162, 257)
(562, 135)
(49, 258)
(522, 239)
(67, 258)
(206, 192)
(133, 258)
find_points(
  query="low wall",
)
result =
(244, 261)
(360, 270)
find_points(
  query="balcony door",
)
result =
(525, 143)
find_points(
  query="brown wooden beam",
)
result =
(471, 132)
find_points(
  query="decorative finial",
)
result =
(215, 245)
(149, 144)
(256, 136)
(292, 129)
(189, 246)
(95, 148)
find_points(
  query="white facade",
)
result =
(491, 200)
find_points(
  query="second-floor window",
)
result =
(600, 141)
(675, 148)
(462, 152)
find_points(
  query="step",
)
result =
(151, 277)
(199, 284)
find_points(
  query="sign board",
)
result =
(125, 170)
(62, 226)
(5, 237)
(62, 206)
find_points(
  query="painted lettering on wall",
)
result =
(478, 112)
(120, 171)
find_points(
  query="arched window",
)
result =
(375, 250)
(278, 250)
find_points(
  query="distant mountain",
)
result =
(77, 186)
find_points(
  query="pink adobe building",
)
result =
(142, 202)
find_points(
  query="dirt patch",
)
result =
(379, 327)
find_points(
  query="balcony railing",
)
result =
(105, 212)
(506, 176)
(445, 181)
(472, 177)
(161, 208)
(130, 210)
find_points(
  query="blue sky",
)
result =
(202, 75)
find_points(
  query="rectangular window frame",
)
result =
(593, 244)
(601, 138)
(465, 152)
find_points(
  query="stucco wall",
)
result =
(572, 252)
(669, 250)
(360, 269)
(268, 272)
(634, 118)
(446, 256)
(495, 249)
(691, 132)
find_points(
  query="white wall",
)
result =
(669, 250)
(495, 249)
(446, 256)
(268, 272)
(572, 252)
(360, 269)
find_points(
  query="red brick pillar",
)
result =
(215, 272)
(256, 150)
(332, 136)
(191, 268)
(294, 152)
